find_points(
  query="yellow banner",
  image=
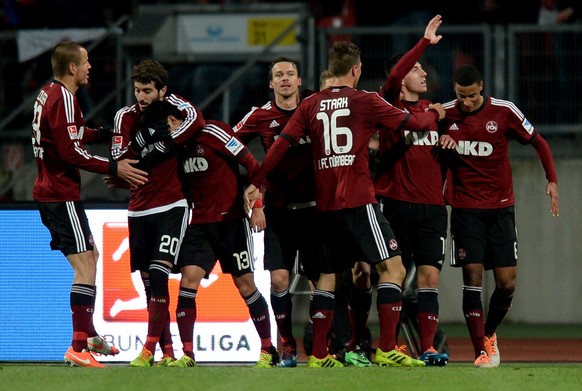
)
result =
(261, 32)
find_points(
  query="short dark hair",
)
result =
(158, 111)
(282, 59)
(150, 71)
(467, 75)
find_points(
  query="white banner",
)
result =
(33, 43)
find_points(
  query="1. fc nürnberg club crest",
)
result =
(492, 126)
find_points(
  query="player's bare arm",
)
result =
(552, 192)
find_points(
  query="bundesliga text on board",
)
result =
(223, 332)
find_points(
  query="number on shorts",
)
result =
(169, 245)
(243, 260)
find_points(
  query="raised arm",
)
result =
(393, 83)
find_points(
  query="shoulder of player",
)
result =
(451, 105)
(126, 116)
(132, 110)
(370, 97)
(256, 112)
(181, 103)
(505, 104)
(57, 87)
(220, 139)
(216, 126)
(216, 129)
(270, 105)
(55, 93)
(262, 117)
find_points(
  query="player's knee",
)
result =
(392, 267)
(506, 290)
(279, 280)
(428, 280)
(245, 284)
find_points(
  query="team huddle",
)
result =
(314, 195)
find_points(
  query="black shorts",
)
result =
(67, 222)
(291, 233)
(229, 242)
(486, 236)
(355, 234)
(421, 230)
(156, 237)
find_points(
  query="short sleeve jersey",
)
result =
(57, 141)
(480, 172)
(211, 166)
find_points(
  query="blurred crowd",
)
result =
(28, 14)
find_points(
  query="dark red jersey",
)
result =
(480, 172)
(340, 122)
(211, 166)
(292, 181)
(164, 186)
(410, 168)
(58, 133)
